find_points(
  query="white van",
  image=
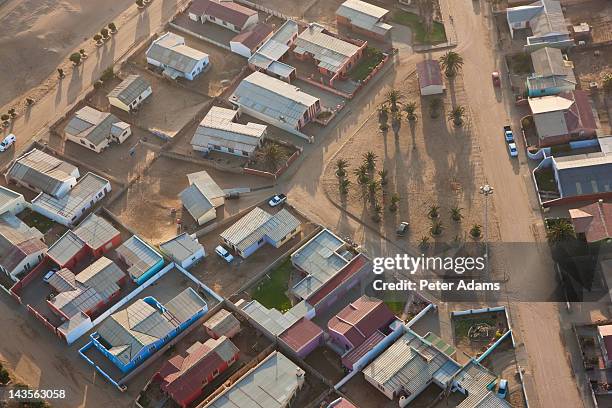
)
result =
(7, 142)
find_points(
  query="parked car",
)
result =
(49, 274)
(496, 79)
(224, 253)
(233, 195)
(502, 390)
(512, 149)
(7, 142)
(402, 229)
(277, 200)
(508, 135)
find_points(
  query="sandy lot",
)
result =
(41, 33)
(597, 13)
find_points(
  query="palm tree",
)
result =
(560, 230)
(395, 199)
(436, 228)
(434, 211)
(272, 156)
(341, 166)
(383, 111)
(362, 175)
(476, 231)
(456, 115)
(383, 174)
(410, 109)
(456, 214)
(452, 63)
(112, 27)
(369, 159)
(104, 32)
(98, 39)
(343, 185)
(394, 97)
(369, 194)
(434, 106)
(377, 210)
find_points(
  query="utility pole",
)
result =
(486, 190)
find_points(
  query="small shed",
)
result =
(582, 32)
(184, 250)
(430, 79)
(222, 323)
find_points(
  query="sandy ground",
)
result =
(40, 35)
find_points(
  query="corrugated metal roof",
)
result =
(194, 200)
(429, 73)
(253, 37)
(364, 15)
(184, 305)
(273, 98)
(170, 50)
(130, 89)
(65, 248)
(331, 52)
(222, 322)
(181, 247)
(139, 256)
(276, 46)
(475, 379)
(228, 11)
(271, 320)
(17, 240)
(42, 171)
(584, 174)
(95, 231)
(71, 203)
(271, 384)
(93, 125)
(301, 334)
(7, 196)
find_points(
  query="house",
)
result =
(86, 292)
(258, 227)
(553, 74)
(11, 201)
(203, 197)
(184, 250)
(220, 132)
(341, 403)
(475, 382)
(141, 259)
(333, 56)
(429, 76)
(68, 250)
(409, 366)
(546, 21)
(272, 321)
(330, 267)
(303, 337)
(71, 206)
(224, 13)
(40, 172)
(561, 118)
(364, 18)
(273, 383)
(250, 40)
(593, 222)
(177, 60)
(222, 323)
(95, 130)
(21, 246)
(275, 102)
(604, 337)
(350, 327)
(130, 336)
(183, 378)
(268, 57)
(130, 93)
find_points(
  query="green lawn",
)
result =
(396, 306)
(40, 222)
(371, 58)
(271, 290)
(420, 36)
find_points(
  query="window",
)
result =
(100, 194)
(215, 372)
(216, 147)
(229, 149)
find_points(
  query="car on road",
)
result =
(502, 390)
(508, 135)
(512, 149)
(496, 79)
(7, 142)
(224, 253)
(277, 200)
(402, 229)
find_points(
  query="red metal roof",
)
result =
(350, 358)
(301, 334)
(341, 403)
(360, 319)
(228, 11)
(593, 220)
(429, 73)
(255, 36)
(343, 275)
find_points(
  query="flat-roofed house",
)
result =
(21, 246)
(141, 259)
(203, 198)
(333, 56)
(130, 336)
(429, 76)
(364, 18)
(269, 55)
(184, 250)
(183, 377)
(176, 59)
(41, 172)
(130, 93)
(273, 383)
(70, 207)
(251, 39)
(546, 21)
(96, 130)
(11, 201)
(552, 73)
(258, 227)
(219, 132)
(275, 102)
(224, 13)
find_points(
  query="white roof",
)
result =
(273, 98)
(8, 196)
(170, 50)
(549, 104)
(331, 52)
(364, 15)
(364, 8)
(276, 46)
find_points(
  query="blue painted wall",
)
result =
(152, 271)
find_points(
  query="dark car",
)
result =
(402, 229)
